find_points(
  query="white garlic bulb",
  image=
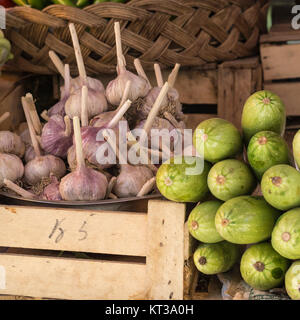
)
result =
(139, 87)
(96, 104)
(11, 167)
(42, 167)
(11, 143)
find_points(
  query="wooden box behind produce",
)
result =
(106, 254)
(281, 69)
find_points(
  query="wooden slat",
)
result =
(193, 119)
(62, 278)
(280, 61)
(289, 93)
(73, 230)
(165, 258)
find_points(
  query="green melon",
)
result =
(286, 234)
(296, 148)
(246, 220)
(280, 186)
(265, 150)
(292, 281)
(262, 267)
(201, 222)
(185, 181)
(230, 178)
(215, 258)
(263, 111)
(217, 139)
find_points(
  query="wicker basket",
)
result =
(189, 32)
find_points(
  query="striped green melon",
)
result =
(265, 150)
(201, 222)
(246, 220)
(292, 281)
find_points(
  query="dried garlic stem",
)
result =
(34, 115)
(125, 94)
(120, 57)
(112, 196)
(78, 143)
(35, 143)
(140, 70)
(57, 63)
(78, 53)
(155, 109)
(158, 75)
(4, 117)
(22, 192)
(84, 109)
(68, 126)
(119, 114)
(147, 187)
(44, 115)
(173, 75)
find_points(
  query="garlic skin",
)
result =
(131, 180)
(96, 104)
(51, 192)
(54, 139)
(102, 119)
(114, 90)
(30, 153)
(58, 108)
(42, 166)
(91, 83)
(90, 146)
(170, 104)
(11, 167)
(11, 143)
(25, 136)
(83, 184)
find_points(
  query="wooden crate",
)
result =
(135, 255)
(281, 69)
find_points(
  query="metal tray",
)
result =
(108, 204)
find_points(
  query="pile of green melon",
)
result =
(233, 226)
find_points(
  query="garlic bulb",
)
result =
(96, 103)
(11, 143)
(59, 107)
(114, 91)
(42, 166)
(131, 180)
(83, 183)
(11, 167)
(57, 136)
(25, 137)
(51, 191)
(139, 85)
(101, 120)
(91, 83)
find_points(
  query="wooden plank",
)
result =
(193, 119)
(61, 278)
(289, 93)
(281, 36)
(74, 230)
(165, 258)
(280, 61)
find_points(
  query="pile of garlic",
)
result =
(67, 141)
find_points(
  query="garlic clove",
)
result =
(51, 191)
